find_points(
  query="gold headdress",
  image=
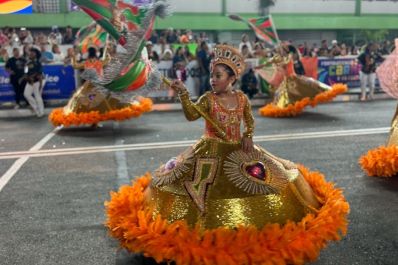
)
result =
(224, 54)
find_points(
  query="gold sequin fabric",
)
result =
(393, 138)
(87, 99)
(297, 87)
(212, 183)
(205, 195)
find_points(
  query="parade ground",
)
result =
(54, 182)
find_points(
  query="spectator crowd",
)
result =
(185, 49)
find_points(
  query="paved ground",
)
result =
(52, 206)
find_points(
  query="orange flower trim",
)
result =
(380, 162)
(329, 95)
(57, 116)
(291, 110)
(293, 243)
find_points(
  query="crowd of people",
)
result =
(186, 50)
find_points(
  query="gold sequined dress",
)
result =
(214, 183)
(215, 204)
(383, 161)
(292, 92)
(89, 105)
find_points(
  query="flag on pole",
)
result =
(263, 27)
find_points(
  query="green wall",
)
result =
(217, 21)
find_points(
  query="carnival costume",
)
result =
(113, 90)
(293, 92)
(383, 161)
(216, 204)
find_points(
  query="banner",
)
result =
(60, 83)
(339, 70)
(16, 7)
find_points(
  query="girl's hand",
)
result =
(178, 86)
(247, 144)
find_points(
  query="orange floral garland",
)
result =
(381, 162)
(291, 110)
(293, 243)
(57, 117)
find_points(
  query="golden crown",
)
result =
(224, 54)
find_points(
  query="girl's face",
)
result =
(220, 80)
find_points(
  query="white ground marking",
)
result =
(121, 161)
(22, 159)
(176, 144)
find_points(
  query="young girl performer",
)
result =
(225, 200)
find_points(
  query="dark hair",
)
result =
(229, 71)
(37, 52)
(292, 49)
(92, 52)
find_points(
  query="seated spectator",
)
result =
(3, 55)
(58, 55)
(355, 50)
(69, 38)
(386, 47)
(14, 38)
(69, 56)
(3, 38)
(259, 51)
(152, 55)
(249, 83)
(167, 55)
(324, 49)
(203, 37)
(172, 36)
(246, 52)
(335, 49)
(305, 50)
(25, 50)
(29, 38)
(343, 50)
(154, 38)
(245, 41)
(46, 56)
(187, 37)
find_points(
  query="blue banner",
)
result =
(60, 83)
(340, 70)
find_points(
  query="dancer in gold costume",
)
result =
(225, 200)
(292, 91)
(383, 161)
(113, 92)
(91, 106)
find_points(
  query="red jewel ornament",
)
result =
(256, 171)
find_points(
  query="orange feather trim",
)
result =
(57, 117)
(291, 110)
(381, 162)
(132, 223)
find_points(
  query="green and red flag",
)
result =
(91, 35)
(263, 27)
(107, 12)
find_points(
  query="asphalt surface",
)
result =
(51, 209)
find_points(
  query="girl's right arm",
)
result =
(75, 64)
(188, 106)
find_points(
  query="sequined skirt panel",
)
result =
(204, 194)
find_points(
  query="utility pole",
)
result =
(358, 4)
(224, 7)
